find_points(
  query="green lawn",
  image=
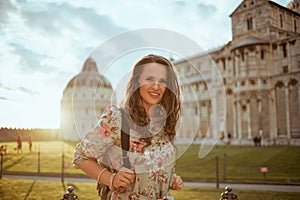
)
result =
(50, 158)
(242, 162)
(37, 189)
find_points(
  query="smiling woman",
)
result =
(150, 110)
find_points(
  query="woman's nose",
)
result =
(156, 85)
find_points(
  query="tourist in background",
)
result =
(30, 143)
(19, 144)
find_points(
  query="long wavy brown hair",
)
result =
(171, 100)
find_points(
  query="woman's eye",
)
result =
(149, 79)
(163, 82)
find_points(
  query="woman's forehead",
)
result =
(155, 69)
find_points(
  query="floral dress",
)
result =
(152, 161)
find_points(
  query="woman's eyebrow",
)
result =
(148, 76)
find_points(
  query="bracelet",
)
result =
(111, 180)
(100, 174)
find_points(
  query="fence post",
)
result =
(1, 165)
(224, 166)
(62, 168)
(39, 162)
(217, 171)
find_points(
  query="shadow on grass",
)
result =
(30, 189)
(6, 167)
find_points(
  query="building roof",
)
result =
(267, 1)
(89, 76)
(249, 41)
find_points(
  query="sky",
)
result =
(45, 43)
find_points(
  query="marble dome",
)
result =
(84, 99)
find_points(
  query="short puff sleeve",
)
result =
(95, 143)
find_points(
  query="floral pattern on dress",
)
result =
(153, 163)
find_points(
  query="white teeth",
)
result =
(154, 94)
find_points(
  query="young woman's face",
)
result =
(153, 84)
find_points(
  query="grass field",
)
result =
(242, 162)
(37, 189)
(50, 158)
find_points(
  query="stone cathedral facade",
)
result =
(84, 100)
(260, 68)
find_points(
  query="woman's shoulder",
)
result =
(111, 115)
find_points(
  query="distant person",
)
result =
(30, 143)
(2, 149)
(19, 143)
(259, 140)
(255, 141)
(221, 136)
(229, 138)
(5, 149)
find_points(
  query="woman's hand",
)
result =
(177, 183)
(124, 178)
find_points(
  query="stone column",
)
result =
(287, 113)
(273, 115)
(211, 125)
(236, 60)
(248, 120)
(246, 60)
(288, 51)
(259, 113)
(234, 120)
(199, 135)
(239, 122)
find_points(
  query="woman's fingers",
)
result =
(128, 174)
(124, 177)
(180, 186)
(177, 183)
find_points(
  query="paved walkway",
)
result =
(245, 186)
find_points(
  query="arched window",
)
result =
(284, 51)
(249, 23)
(262, 54)
(281, 20)
(242, 55)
